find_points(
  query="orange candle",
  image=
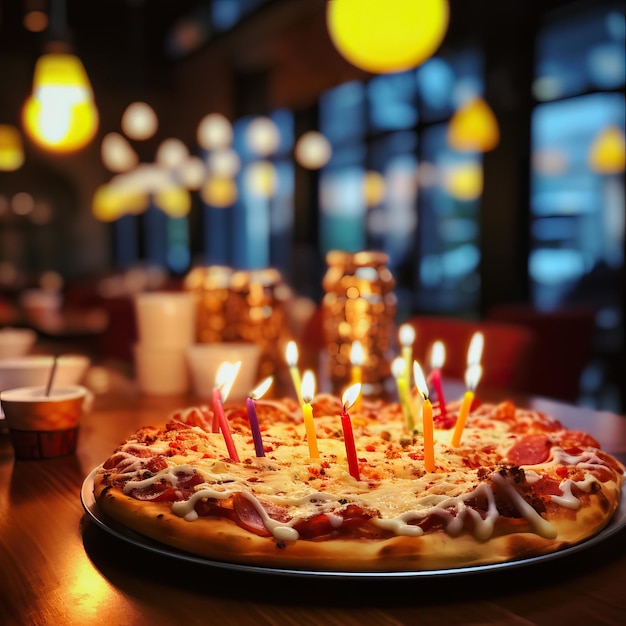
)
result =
(427, 419)
(472, 376)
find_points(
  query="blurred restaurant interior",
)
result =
(272, 147)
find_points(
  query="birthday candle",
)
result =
(356, 359)
(255, 394)
(349, 396)
(397, 370)
(427, 419)
(437, 359)
(472, 376)
(224, 378)
(308, 392)
(406, 336)
(291, 356)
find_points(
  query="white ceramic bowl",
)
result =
(34, 370)
(205, 358)
(15, 342)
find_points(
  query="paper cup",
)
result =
(161, 370)
(44, 426)
(165, 319)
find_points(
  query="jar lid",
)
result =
(370, 258)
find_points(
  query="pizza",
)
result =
(518, 485)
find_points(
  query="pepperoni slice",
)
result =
(247, 515)
(530, 450)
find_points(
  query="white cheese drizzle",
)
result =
(447, 498)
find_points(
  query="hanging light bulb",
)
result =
(262, 136)
(11, 149)
(139, 121)
(312, 150)
(473, 127)
(60, 114)
(385, 37)
(607, 154)
(117, 154)
(215, 132)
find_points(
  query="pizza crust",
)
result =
(221, 539)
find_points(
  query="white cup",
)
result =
(161, 370)
(205, 358)
(166, 318)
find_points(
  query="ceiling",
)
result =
(144, 37)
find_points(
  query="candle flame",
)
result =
(475, 350)
(308, 387)
(291, 354)
(472, 376)
(406, 335)
(225, 377)
(357, 356)
(397, 367)
(350, 395)
(438, 355)
(262, 388)
(420, 381)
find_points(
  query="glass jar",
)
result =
(257, 308)
(359, 303)
(211, 287)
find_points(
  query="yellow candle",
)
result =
(427, 418)
(291, 356)
(407, 337)
(308, 391)
(397, 369)
(429, 439)
(468, 398)
(356, 358)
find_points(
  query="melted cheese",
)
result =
(394, 486)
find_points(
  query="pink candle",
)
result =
(348, 400)
(218, 410)
(224, 378)
(436, 362)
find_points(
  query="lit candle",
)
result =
(406, 335)
(308, 393)
(356, 359)
(255, 394)
(472, 377)
(224, 378)
(427, 419)
(397, 370)
(349, 397)
(437, 359)
(291, 356)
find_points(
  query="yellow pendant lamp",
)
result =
(608, 154)
(387, 36)
(473, 128)
(11, 149)
(60, 115)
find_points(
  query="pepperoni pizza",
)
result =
(518, 485)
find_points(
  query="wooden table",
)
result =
(59, 567)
